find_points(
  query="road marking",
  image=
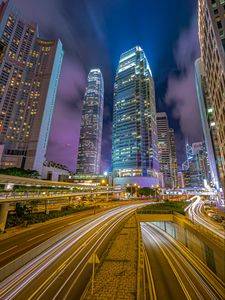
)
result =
(171, 265)
(36, 237)
(73, 222)
(151, 287)
(8, 250)
(54, 229)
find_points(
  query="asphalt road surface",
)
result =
(63, 270)
(196, 214)
(174, 271)
(13, 247)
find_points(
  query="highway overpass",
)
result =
(11, 197)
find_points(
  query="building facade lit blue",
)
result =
(89, 151)
(134, 148)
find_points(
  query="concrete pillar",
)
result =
(4, 208)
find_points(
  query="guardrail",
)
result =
(30, 197)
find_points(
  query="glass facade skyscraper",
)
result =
(202, 94)
(134, 149)
(89, 151)
(165, 153)
(29, 75)
(174, 169)
(211, 24)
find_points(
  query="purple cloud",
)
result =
(181, 93)
(65, 129)
(64, 135)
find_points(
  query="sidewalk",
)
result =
(116, 278)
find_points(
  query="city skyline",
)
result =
(112, 149)
(168, 69)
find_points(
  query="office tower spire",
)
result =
(134, 150)
(89, 151)
(29, 74)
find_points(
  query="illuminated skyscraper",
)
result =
(202, 94)
(196, 167)
(29, 74)
(212, 44)
(165, 155)
(174, 171)
(89, 151)
(202, 162)
(134, 149)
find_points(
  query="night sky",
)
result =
(94, 33)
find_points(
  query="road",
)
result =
(196, 214)
(62, 270)
(174, 272)
(14, 246)
(16, 197)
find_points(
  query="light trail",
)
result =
(14, 285)
(195, 214)
(196, 280)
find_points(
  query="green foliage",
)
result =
(20, 172)
(168, 206)
(145, 191)
(32, 218)
(19, 210)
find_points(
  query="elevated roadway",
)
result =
(24, 181)
(12, 197)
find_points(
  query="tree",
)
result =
(146, 191)
(19, 210)
(20, 172)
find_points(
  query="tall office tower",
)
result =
(29, 74)
(174, 170)
(180, 180)
(89, 151)
(202, 162)
(165, 155)
(134, 149)
(212, 44)
(196, 166)
(205, 119)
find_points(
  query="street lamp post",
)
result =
(107, 199)
(135, 186)
(130, 188)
